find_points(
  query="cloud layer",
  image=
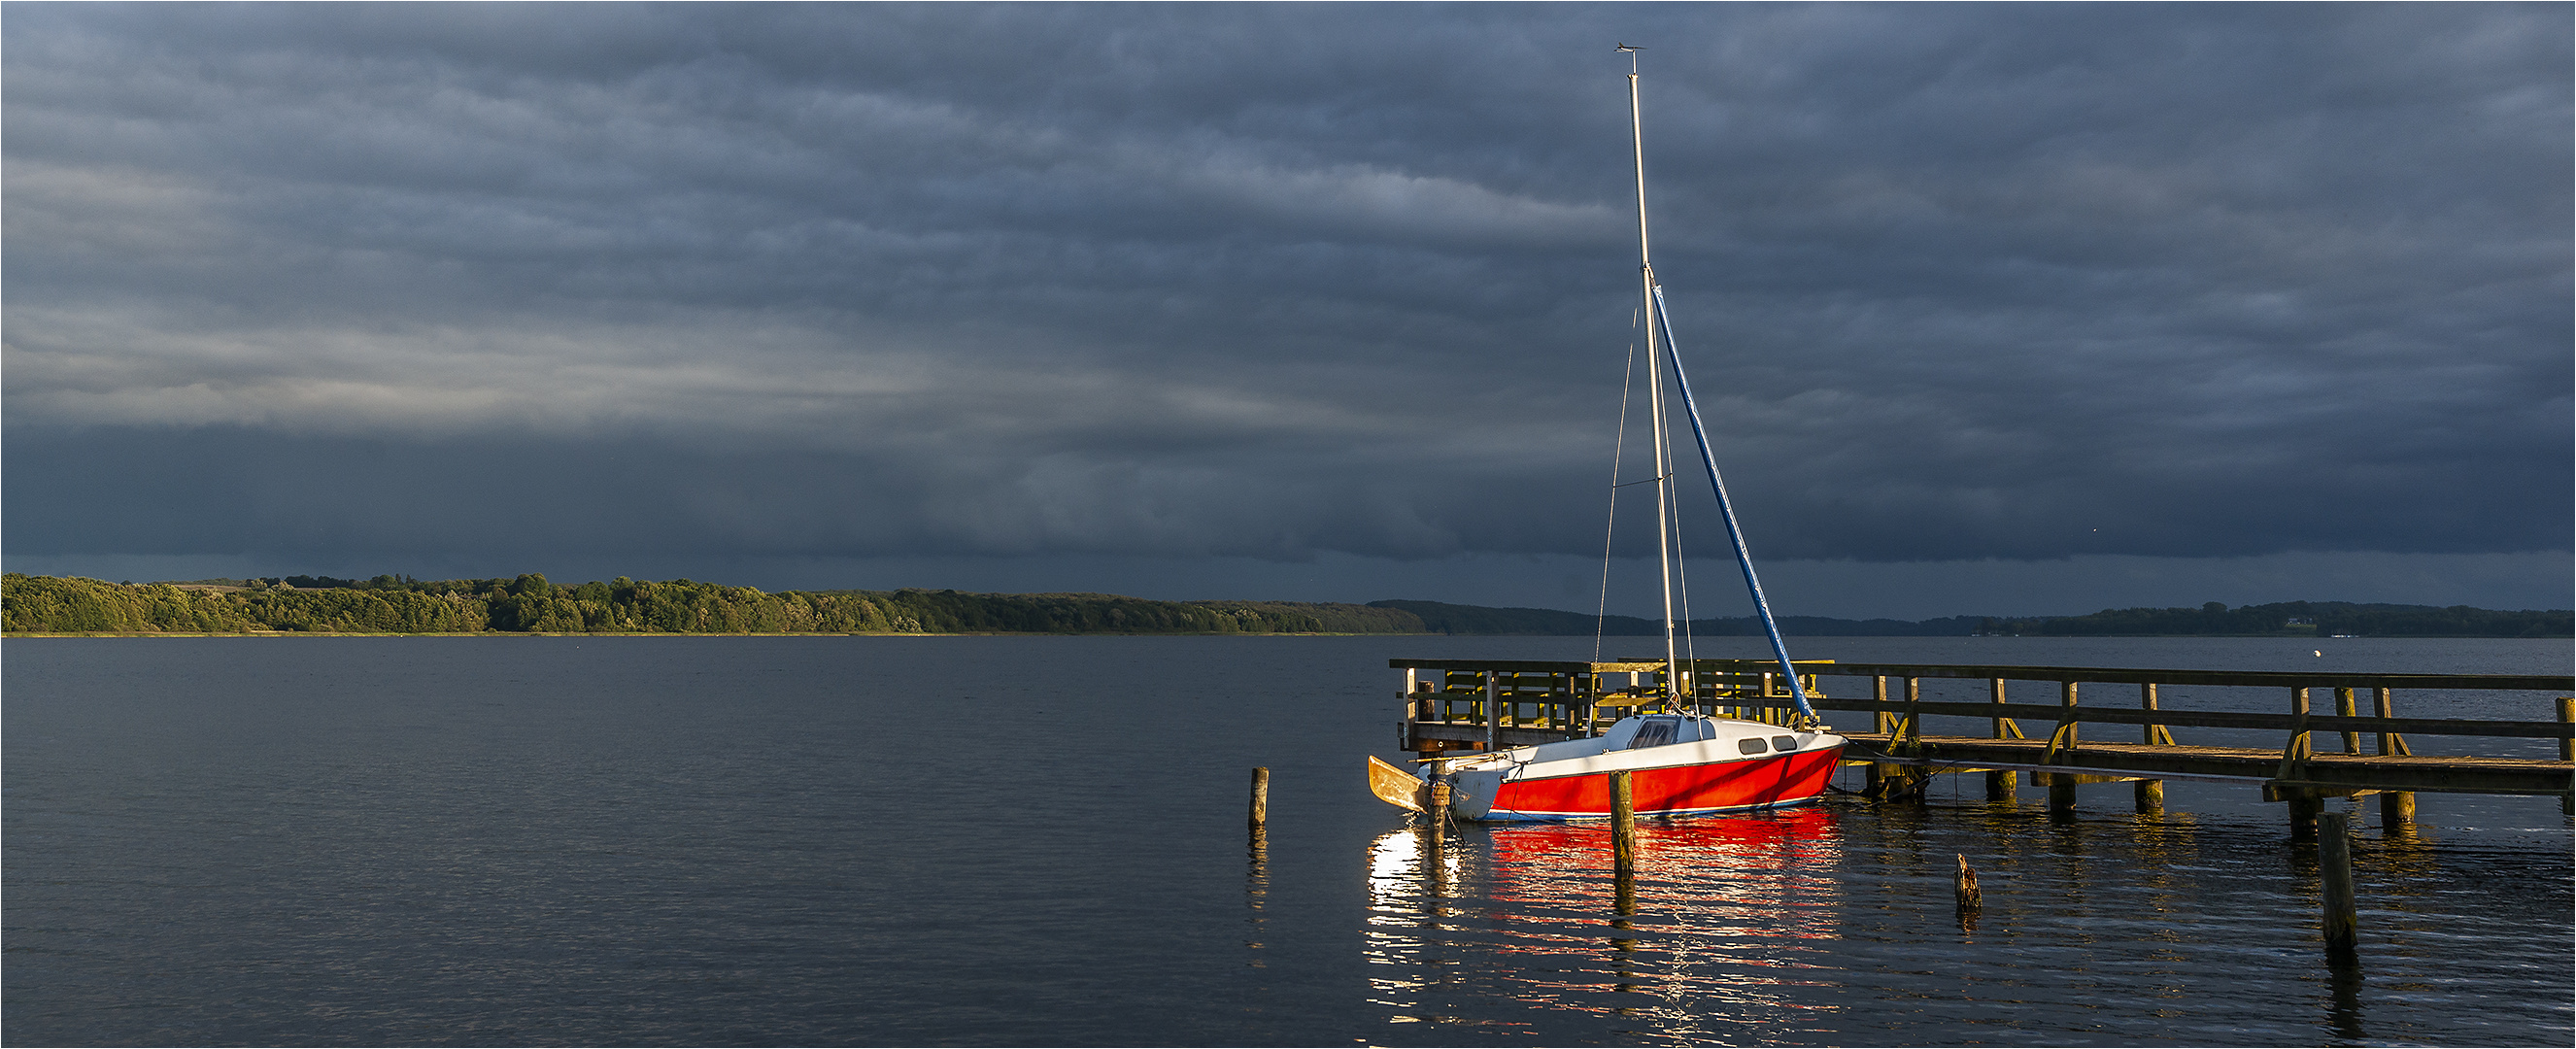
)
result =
(1279, 282)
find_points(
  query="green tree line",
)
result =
(531, 604)
(2297, 619)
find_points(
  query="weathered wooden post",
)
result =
(2334, 868)
(2061, 785)
(1623, 826)
(2303, 802)
(2396, 807)
(1878, 722)
(1260, 797)
(1493, 714)
(2566, 750)
(2151, 792)
(1436, 816)
(2000, 783)
(2344, 708)
(1917, 778)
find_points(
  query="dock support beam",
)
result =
(2061, 794)
(2334, 869)
(2396, 809)
(2304, 807)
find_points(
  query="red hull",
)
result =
(1786, 779)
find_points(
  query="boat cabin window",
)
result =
(1751, 745)
(1655, 732)
(1784, 742)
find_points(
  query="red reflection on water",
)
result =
(1720, 914)
(1764, 874)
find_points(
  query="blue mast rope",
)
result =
(1743, 557)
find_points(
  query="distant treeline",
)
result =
(391, 604)
(531, 604)
(2296, 619)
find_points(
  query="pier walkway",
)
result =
(1455, 704)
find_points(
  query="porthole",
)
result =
(1784, 742)
(1752, 745)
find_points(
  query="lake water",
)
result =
(1036, 840)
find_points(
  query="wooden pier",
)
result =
(1454, 704)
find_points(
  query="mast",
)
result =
(1675, 686)
(1659, 336)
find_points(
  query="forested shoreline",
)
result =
(530, 604)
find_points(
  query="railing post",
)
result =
(2000, 783)
(2061, 785)
(2303, 802)
(1914, 712)
(2566, 715)
(2343, 709)
(2396, 807)
(2567, 751)
(2381, 703)
(1878, 723)
(2151, 792)
(1493, 714)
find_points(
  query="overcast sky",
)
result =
(1992, 310)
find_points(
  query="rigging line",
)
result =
(1639, 481)
(1618, 447)
(1690, 638)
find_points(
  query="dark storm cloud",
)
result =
(1955, 282)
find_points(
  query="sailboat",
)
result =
(1679, 762)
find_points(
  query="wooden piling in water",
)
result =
(2334, 868)
(1437, 812)
(1965, 885)
(1260, 797)
(1623, 825)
